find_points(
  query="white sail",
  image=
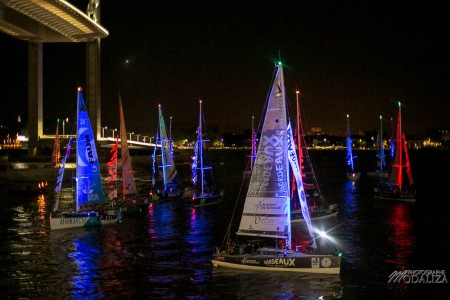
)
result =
(128, 183)
(293, 160)
(267, 205)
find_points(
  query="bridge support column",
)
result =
(35, 110)
(93, 85)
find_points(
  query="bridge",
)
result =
(54, 21)
(105, 141)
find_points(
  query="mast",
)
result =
(56, 147)
(170, 136)
(77, 156)
(381, 145)
(400, 146)
(252, 155)
(349, 146)
(392, 143)
(162, 146)
(283, 96)
(200, 141)
(299, 131)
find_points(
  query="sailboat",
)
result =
(165, 179)
(318, 210)
(88, 183)
(265, 219)
(202, 176)
(352, 174)
(381, 170)
(399, 184)
(128, 204)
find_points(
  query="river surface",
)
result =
(166, 252)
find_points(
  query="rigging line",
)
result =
(227, 235)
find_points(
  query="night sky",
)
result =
(356, 57)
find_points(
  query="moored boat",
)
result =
(399, 185)
(381, 170)
(87, 182)
(166, 182)
(352, 173)
(202, 172)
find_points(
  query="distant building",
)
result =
(316, 130)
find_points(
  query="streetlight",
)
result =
(65, 121)
(103, 131)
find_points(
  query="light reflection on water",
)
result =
(166, 253)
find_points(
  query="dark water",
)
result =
(166, 253)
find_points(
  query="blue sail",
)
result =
(349, 153)
(88, 181)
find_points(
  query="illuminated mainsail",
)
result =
(88, 181)
(267, 204)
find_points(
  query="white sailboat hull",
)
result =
(302, 263)
(75, 221)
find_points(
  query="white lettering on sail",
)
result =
(89, 153)
(271, 161)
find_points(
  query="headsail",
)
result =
(89, 184)
(129, 186)
(112, 171)
(61, 175)
(299, 183)
(170, 175)
(267, 204)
